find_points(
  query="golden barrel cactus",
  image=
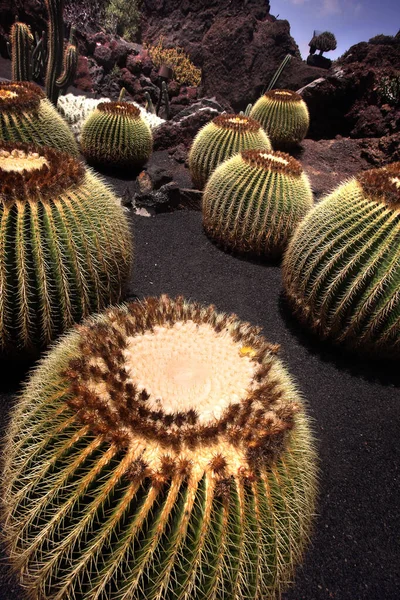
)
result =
(253, 202)
(159, 451)
(342, 266)
(65, 248)
(284, 116)
(217, 141)
(116, 135)
(26, 115)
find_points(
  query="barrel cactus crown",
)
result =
(116, 135)
(284, 116)
(217, 141)
(26, 115)
(64, 245)
(159, 451)
(342, 267)
(253, 202)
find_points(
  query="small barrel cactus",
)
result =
(159, 451)
(116, 135)
(284, 116)
(253, 202)
(342, 266)
(225, 136)
(26, 115)
(65, 247)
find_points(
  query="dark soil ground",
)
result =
(354, 553)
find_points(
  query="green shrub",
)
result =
(123, 18)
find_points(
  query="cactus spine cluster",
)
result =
(217, 141)
(116, 135)
(284, 116)
(64, 246)
(342, 267)
(253, 202)
(21, 44)
(26, 115)
(159, 451)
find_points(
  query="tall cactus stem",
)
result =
(21, 45)
(55, 48)
(70, 64)
(164, 93)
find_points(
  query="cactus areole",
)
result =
(173, 459)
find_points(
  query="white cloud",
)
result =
(330, 7)
(358, 8)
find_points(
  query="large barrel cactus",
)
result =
(342, 267)
(116, 135)
(65, 247)
(217, 141)
(284, 116)
(160, 451)
(26, 115)
(253, 202)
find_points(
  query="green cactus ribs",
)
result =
(160, 451)
(253, 202)
(116, 135)
(217, 141)
(26, 115)
(284, 116)
(342, 267)
(65, 247)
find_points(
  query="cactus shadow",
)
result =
(121, 173)
(246, 257)
(384, 371)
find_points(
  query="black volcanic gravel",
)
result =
(355, 552)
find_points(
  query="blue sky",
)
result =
(351, 21)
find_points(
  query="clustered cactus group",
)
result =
(161, 450)
(61, 63)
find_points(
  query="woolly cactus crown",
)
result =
(65, 247)
(220, 139)
(342, 266)
(27, 116)
(160, 451)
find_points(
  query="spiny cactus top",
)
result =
(160, 451)
(342, 267)
(284, 116)
(217, 141)
(116, 135)
(26, 115)
(253, 202)
(65, 246)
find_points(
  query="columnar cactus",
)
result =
(21, 45)
(115, 134)
(26, 115)
(253, 202)
(159, 451)
(284, 116)
(70, 64)
(342, 267)
(220, 139)
(64, 246)
(55, 41)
